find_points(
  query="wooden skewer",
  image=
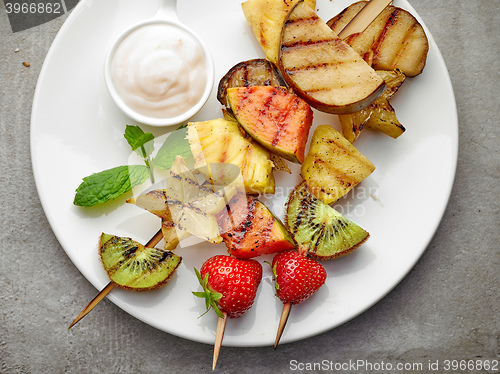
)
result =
(364, 18)
(284, 317)
(106, 290)
(219, 335)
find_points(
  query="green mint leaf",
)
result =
(175, 145)
(139, 141)
(109, 184)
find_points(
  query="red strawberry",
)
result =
(229, 284)
(296, 278)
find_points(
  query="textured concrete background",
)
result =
(446, 308)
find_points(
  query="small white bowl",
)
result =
(165, 16)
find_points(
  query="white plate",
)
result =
(76, 130)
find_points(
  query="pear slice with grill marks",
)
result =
(133, 266)
(319, 230)
(321, 68)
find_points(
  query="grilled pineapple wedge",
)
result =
(321, 68)
(223, 141)
(380, 114)
(333, 166)
(266, 17)
(395, 39)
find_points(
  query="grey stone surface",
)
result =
(446, 308)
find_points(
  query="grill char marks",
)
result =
(321, 68)
(249, 229)
(256, 72)
(394, 40)
(274, 117)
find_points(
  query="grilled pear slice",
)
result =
(319, 230)
(133, 266)
(395, 39)
(266, 17)
(333, 165)
(321, 68)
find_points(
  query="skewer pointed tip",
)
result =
(101, 295)
(219, 335)
(284, 317)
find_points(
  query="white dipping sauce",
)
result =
(159, 71)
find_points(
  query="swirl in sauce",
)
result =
(159, 71)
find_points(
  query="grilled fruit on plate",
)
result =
(185, 206)
(323, 69)
(333, 165)
(394, 40)
(249, 229)
(155, 202)
(274, 117)
(256, 72)
(319, 230)
(380, 114)
(266, 17)
(133, 266)
(223, 141)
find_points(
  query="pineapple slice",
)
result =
(333, 166)
(379, 115)
(266, 17)
(223, 141)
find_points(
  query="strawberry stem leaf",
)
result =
(211, 297)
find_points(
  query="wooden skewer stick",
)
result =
(284, 317)
(364, 18)
(106, 290)
(219, 335)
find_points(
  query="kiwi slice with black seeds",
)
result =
(319, 230)
(132, 265)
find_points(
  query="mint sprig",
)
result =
(106, 185)
(142, 144)
(109, 184)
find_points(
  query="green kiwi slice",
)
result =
(319, 230)
(131, 265)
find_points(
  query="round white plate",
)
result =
(76, 130)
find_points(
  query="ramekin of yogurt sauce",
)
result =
(159, 73)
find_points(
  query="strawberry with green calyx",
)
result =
(296, 278)
(229, 287)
